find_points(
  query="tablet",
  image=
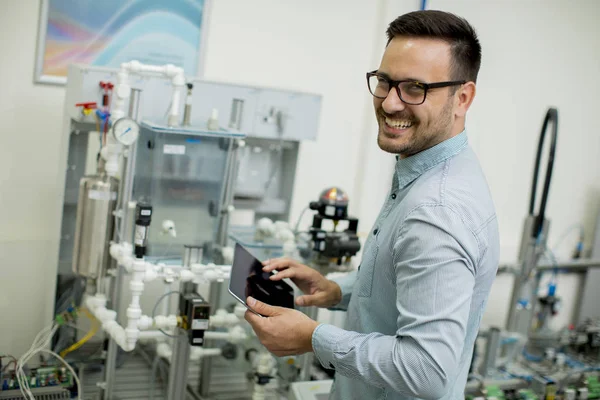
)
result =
(248, 279)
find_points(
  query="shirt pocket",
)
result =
(367, 271)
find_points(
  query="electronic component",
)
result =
(44, 377)
(526, 394)
(333, 205)
(195, 312)
(143, 217)
(187, 111)
(494, 392)
(593, 387)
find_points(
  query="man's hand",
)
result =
(284, 331)
(319, 291)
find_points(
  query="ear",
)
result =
(464, 97)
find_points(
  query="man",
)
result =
(415, 303)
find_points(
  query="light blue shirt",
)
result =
(415, 303)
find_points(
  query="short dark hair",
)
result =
(456, 31)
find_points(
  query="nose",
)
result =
(392, 103)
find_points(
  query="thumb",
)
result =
(261, 308)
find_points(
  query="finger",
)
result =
(300, 274)
(252, 318)
(262, 308)
(310, 300)
(278, 264)
(286, 273)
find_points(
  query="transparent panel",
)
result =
(181, 173)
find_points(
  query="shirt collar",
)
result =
(410, 168)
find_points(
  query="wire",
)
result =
(551, 116)
(567, 232)
(92, 332)
(41, 340)
(552, 258)
(98, 129)
(530, 357)
(300, 219)
(527, 378)
(156, 306)
(14, 360)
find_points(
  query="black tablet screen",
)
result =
(248, 279)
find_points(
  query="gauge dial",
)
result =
(126, 131)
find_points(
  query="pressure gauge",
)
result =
(126, 131)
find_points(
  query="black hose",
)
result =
(551, 115)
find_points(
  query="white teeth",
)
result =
(401, 124)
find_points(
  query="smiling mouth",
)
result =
(400, 124)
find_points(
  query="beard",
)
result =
(420, 136)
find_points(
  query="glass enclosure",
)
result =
(182, 173)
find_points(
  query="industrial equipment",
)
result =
(535, 234)
(333, 245)
(97, 200)
(127, 127)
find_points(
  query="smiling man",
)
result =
(415, 304)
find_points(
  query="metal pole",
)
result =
(205, 368)
(491, 351)
(179, 368)
(574, 266)
(227, 192)
(126, 187)
(522, 302)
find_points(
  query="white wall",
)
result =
(30, 126)
(548, 56)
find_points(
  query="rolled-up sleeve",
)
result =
(434, 257)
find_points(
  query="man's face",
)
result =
(408, 129)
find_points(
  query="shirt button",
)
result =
(375, 231)
(393, 196)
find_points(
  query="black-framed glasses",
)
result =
(410, 91)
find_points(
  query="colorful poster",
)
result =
(110, 32)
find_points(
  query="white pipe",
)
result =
(164, 350)
(176, 74)
(112, 150)
(174, 114)
(198, 273)
(223, 319)
(97, 306)
(127, 338)
(234, 335)
(143, 271)
(199, 352)
(264, 364)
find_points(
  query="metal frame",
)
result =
(124, 197)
